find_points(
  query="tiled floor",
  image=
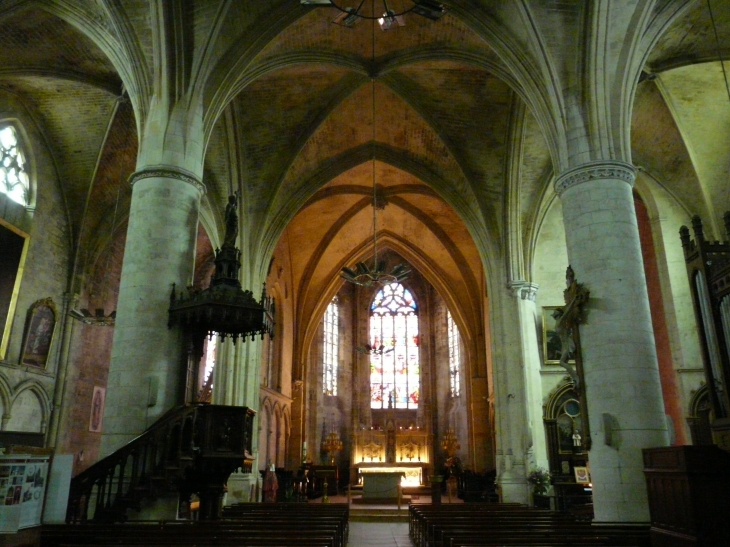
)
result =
(379, 534)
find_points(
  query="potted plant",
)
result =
(539, 478)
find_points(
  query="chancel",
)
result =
(448, 231)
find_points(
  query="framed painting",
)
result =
(97, 409)
(552, 347)
(39, 328)
(581, 475)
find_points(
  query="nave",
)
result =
(338, 524)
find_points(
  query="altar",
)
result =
(402, 453)
(381, 485)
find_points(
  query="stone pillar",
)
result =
(511, 430)
(159, 251)
(617, 342)
(536, 454)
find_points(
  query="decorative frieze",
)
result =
(598, 170)
(167, 172)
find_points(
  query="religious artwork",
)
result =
(97, 409)
(581, 475)
(39, 329)
(394, 371)
(551, 343)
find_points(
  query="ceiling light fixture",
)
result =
(390, 18)
(374, 350)
(364, 275)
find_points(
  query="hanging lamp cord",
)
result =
(375, 198)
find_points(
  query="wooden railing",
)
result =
(191, 449)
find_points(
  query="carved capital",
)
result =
(614, 170)
(524, 289)
(167, 172)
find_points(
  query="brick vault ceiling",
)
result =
(305, 129)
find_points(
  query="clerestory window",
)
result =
(394, 360)
(454, 357)
(330, 350)
(14, 181)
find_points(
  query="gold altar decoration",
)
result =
(411, 445)
(450, 443)
(332, 444)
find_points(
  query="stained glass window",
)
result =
(13, 178)
(330, 349)
(394, 371)
(454, 357)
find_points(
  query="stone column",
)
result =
(536, 454)
(159, 251)
(510, 394)
(625, 407)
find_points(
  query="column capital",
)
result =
(595, 170)
(524, 289)
(168, 172)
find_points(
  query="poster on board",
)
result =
(22, 487)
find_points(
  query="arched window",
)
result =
(454, 357)
(330, 350)
(13, 178)
(394, 364)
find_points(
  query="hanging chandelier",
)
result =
(369, 349)
(391, 16)
(377, 274)
(450, 443)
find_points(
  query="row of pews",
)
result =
(243, 525)
(504, 524)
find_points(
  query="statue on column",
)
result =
(231, 220)
(567, 319)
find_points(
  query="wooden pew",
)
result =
(494, 524)
(254, 525)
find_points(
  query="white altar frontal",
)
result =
(381, 484)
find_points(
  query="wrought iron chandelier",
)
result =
(362, 274)
(391, 16)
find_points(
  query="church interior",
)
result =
(458, 223)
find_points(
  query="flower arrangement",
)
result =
(539, 479)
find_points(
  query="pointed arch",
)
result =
(23, 418)
(394, 360)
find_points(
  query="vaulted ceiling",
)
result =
(303, 116)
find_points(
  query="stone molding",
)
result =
(524, 289)
(614, 170)
(167, 172)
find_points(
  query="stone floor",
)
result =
(379, 534)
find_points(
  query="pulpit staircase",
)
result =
(191, 449)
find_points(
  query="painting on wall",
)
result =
(551, 344)
(97, 409)
(582, 476)
(40, 326)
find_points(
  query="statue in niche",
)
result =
(231, 220)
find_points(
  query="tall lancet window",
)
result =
(454, 357)
(14, 180)
(331, 347)
(394, 363)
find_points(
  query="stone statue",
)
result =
(231, 220)
(567, 319)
